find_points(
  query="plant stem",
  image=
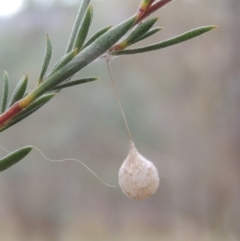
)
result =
(152, 9)
(88, 55)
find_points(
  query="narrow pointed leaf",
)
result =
(14, 157)
(5, 92)
(63, 61)
(79, 18)
(74, 82)
(19, 91)
(148, 34)
(29, 110)
(84, 28)
(46, 61)
(97, 35)
(85, 57)
(139, 30)
(176, 40)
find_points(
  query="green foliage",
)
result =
(139, 31)
(80, 15)
(84, 28)
(105, 43)
(176, 40)
(97, 35)
(74, 82)
(63, 61)
(14, 158)
(46, 61)
(20, 91)
(147, 34)
(5, 92)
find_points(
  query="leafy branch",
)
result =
(80, 52)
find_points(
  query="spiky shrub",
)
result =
(80, 52)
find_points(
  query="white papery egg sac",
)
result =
(138, 177)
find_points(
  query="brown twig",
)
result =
(159, 4)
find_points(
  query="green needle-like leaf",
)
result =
(46, 61)
(176, 40)
(139, 30)
(5, 92)
(14, 157)
(63, 61)
(79, 18)
(74, 82)
(84, 28)
(97, 35)
(85, 57)
(19, 91)
(29, 110)
(148, 34)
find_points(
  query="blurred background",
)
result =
(182, 105)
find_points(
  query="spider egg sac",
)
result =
(138, 177)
